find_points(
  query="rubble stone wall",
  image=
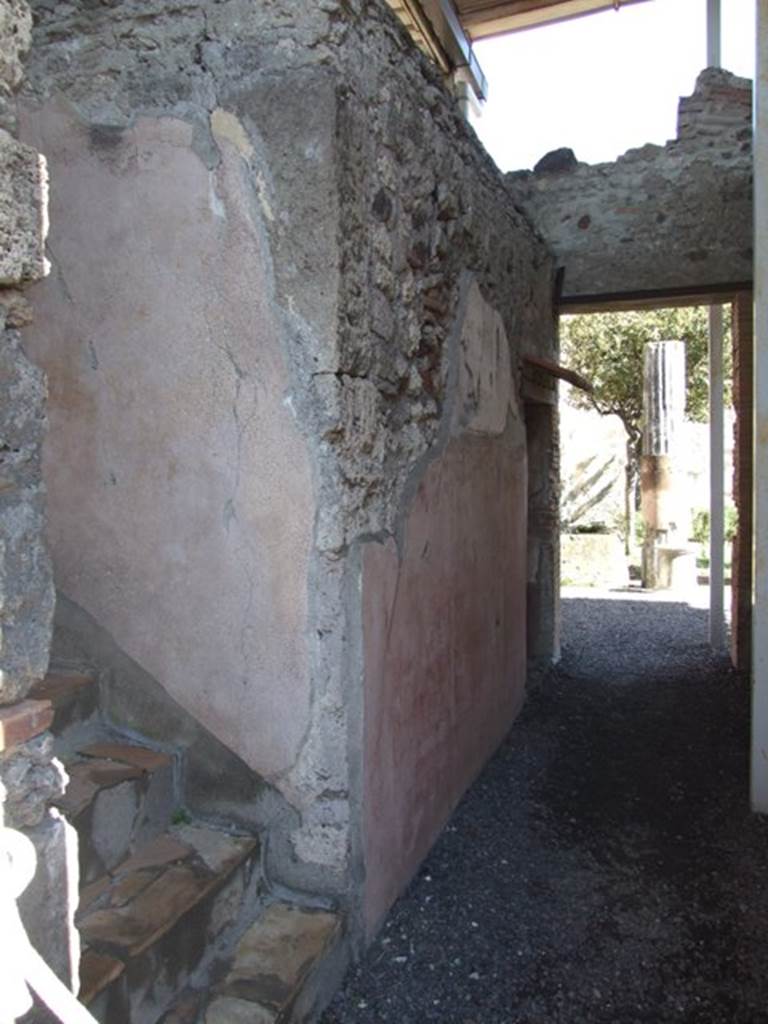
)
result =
(660, 217)
(29, 776)
(449, 289)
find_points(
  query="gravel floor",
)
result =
(605, 867)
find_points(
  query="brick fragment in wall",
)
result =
(721, 103)
(26, 584)
(22, 721)
(32, 779)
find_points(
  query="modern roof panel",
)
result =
(482, 18)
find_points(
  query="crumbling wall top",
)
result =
(659, 218)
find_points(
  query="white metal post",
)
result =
(716, 431)
(713, 33)
(759, 765)
(716, 480)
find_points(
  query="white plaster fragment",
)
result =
(226, 126)
(485, 392)
(325, 845)
(214, 200)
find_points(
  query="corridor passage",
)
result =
(605, 868)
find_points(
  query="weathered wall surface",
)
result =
(444, 617)
(661, 217)
(452, 289)
(179, 486)
(268, 393)
(29, 776)
(192, 299)
(542, 613)
(26, 595)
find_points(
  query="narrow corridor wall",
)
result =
(453, 288)
(284, 342)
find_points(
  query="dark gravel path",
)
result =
(605, 867)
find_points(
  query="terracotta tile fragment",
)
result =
(96, 972)
(23, 721)
(277, 953)
(86, 778)
(137, 757)
(92, 892)
(58, 687)
(129, 886)
(136, 926)
(166, 849)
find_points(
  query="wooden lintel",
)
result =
(657, 299)
(558, 371)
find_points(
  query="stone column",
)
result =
(663, 413)
(29, 775)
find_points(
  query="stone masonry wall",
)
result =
(29, 777)
(193, 297)
(268, 223)
(445, 287)
(661, 217)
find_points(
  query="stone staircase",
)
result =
(176, 918)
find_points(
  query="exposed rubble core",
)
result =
(660, 217)
(30, 777)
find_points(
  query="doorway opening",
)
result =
(636, 489)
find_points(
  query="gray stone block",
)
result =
(23, 187)
(15, 39)
(48, 904)
(26, 586)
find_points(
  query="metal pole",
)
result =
(716, 434)
(713, 34)
(759, 767)
(716, 480)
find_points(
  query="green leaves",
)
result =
(607, 348)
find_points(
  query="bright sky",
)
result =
(605, 83)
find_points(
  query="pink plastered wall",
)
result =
(179, 487)
(444, 642)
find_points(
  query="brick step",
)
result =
(152, 921)
(119, 796)
(74, 697)
(286, 963)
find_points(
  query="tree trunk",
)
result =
(630, 499)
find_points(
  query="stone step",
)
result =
(119, 796)
(74, 697)
(152, 921)
(283, 968)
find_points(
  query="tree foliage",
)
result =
(607, 349)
